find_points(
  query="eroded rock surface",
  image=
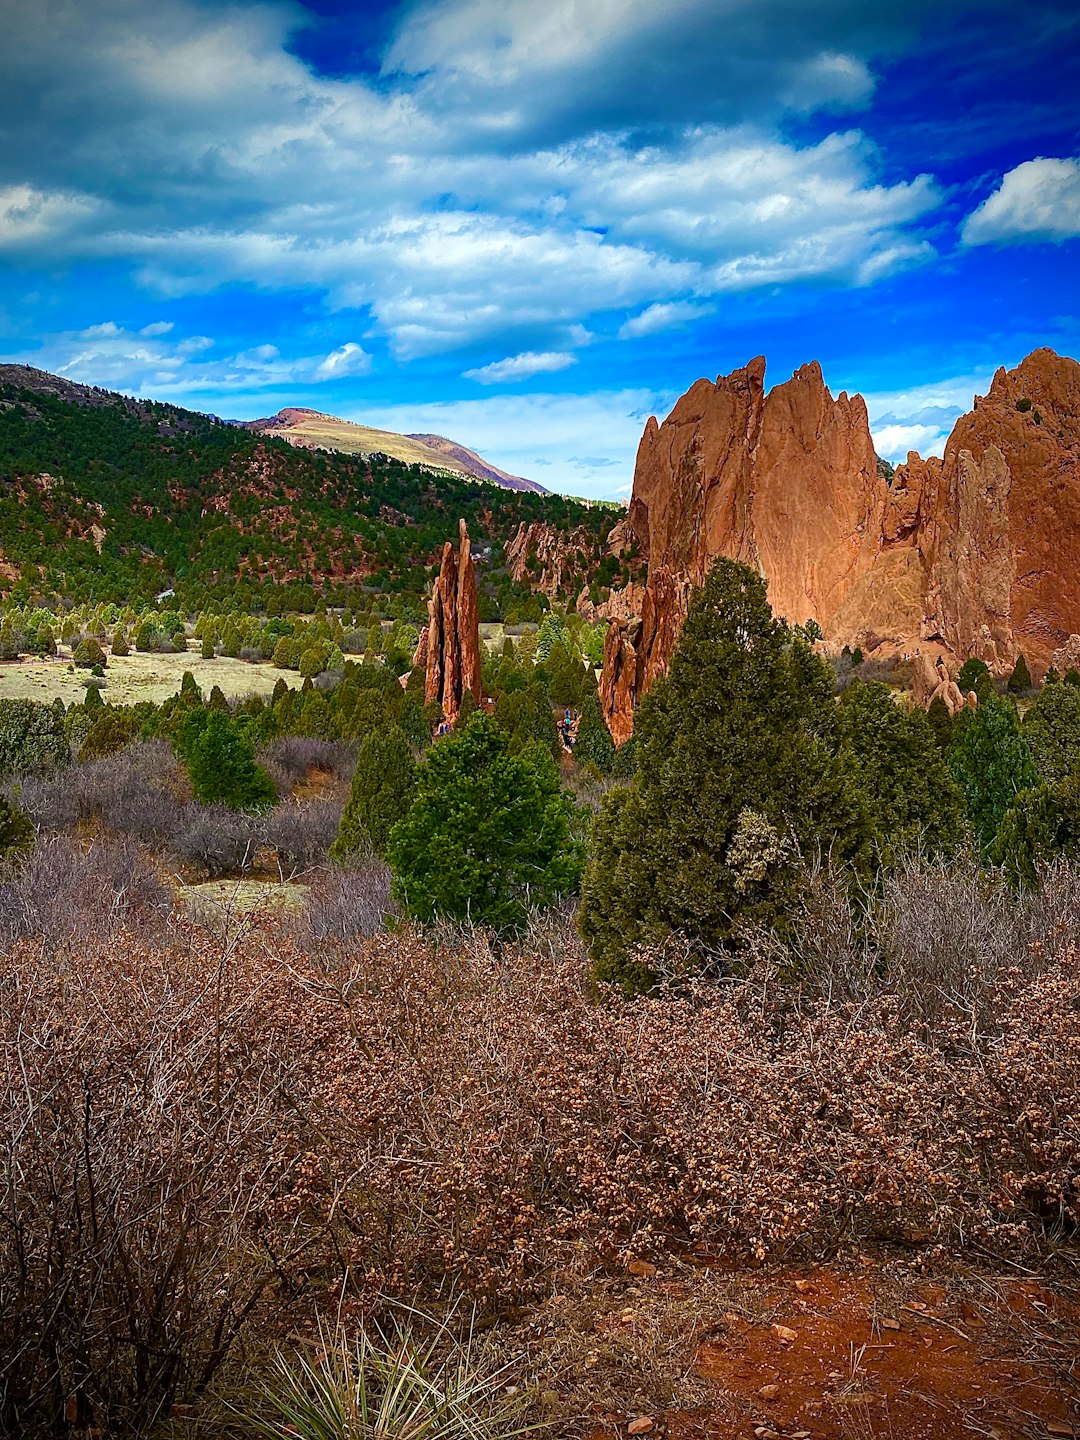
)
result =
(449, 647)
(974, 554)
(539, 547)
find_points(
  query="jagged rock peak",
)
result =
(975, 554)
(449, 647)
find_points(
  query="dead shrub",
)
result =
(345, 903)
(205, 1143)
(68, 895)
(302, 833)
(147, 1147)
(139, 792)
(217, 840)
(293, 756)
(935, 936)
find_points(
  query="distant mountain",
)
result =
(312, 430)
(468, 462)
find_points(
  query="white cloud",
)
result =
(30, 217)
(348, 359)
(145, 362)
(921, 417)
(520, 367)
(1038, 200)
(216, 155)
(955, 392)
(563, 65)
(893, 442)
(659, 317)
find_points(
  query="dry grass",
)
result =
(243, 897)
(138, 676)
(330, 433)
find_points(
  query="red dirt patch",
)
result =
(917, 1370)
(316, 783)
(836, 1355)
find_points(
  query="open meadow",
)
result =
(135, 677)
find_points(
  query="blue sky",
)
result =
(530, 225)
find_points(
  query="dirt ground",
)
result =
(868, 1349)
(135, 677)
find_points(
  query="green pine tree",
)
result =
(594, 743)
(220, 760)
(891, 754)
(1051, 728)
(1040, 825)
(736, 776)
(991, 763)
(413, 723)
(941, 722)
(489, 836)
(87, 654)
(16, 831)
(1020, 679)
(383, 786)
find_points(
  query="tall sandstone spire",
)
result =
(975, 554)
(449, 648)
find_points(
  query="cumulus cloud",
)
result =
(144, 361)
(481, 193)
(893, 442)
(520, 367)
(921, 417)
(659, 317)
(1038, 200)
(348, 359)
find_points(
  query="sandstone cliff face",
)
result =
(449, 648)
(975, 554)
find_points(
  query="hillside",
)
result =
(107, 497)
(310, 429)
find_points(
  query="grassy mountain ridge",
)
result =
(311, 429)
(108, 497)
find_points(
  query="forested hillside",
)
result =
(108, 498)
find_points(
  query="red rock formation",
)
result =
(975, 554)
(554, 552)
(1067, 656)
(932, 680)
(449, 648)
(619, 682)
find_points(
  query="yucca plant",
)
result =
(371, 1386)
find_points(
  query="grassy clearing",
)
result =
(213, 898)
(135, 677)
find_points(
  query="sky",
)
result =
(530, 224)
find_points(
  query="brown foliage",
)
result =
(201, 1138)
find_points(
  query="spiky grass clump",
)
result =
(379, 1387)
